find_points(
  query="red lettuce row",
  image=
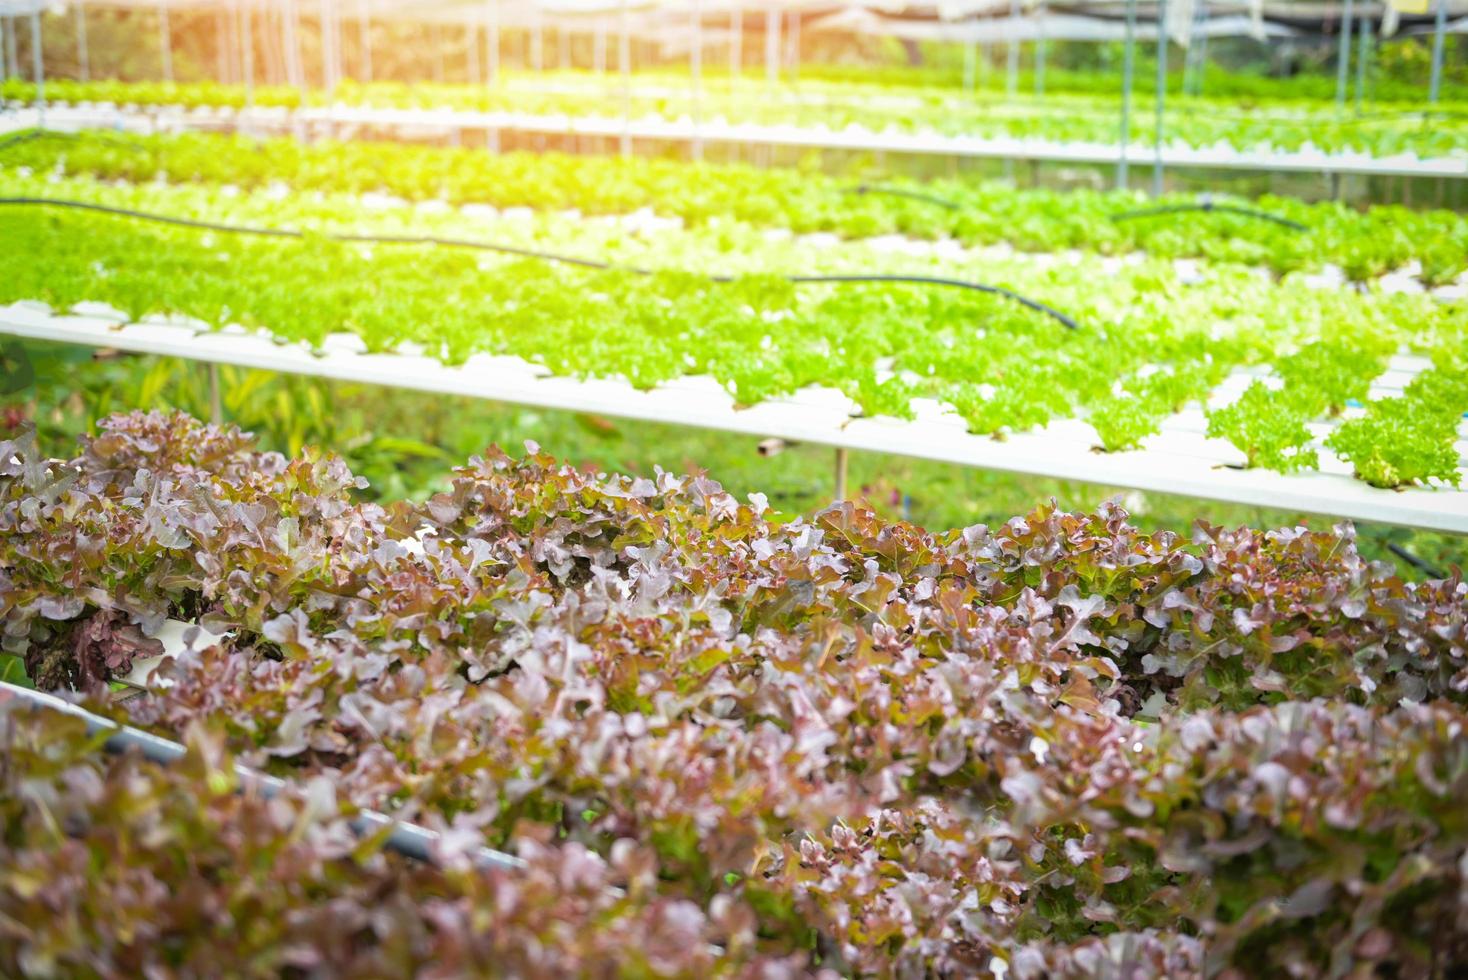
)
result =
(119, 868)
(900, 752)
(1305, 839)
(161, 516)
(283, 887)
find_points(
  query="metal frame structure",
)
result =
(633, 18)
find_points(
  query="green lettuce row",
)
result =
(1269, 424)
(1004, 368)
(1200, 122)
(1411, 439)
(1364, 243)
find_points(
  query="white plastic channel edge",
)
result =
(852, 138)
(1178, 460)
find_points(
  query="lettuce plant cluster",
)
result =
(725, 744)
(1365, 244)
(1060, 118)
(1149, 344)
(1413, 437)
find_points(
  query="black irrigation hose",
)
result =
(1010, 294)
(1421, 565)
(1209, 206)
(910, 195)
(16, 139)
(27, 135)
(979, 287)
(407, 839)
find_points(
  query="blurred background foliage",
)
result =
(125, 44)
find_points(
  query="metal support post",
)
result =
(1439, 28)
(1040, 50)
(165, 41)
(1363, 54)
(794, 58)
(695, 66)
(537, 40)
(38, 68)
(222, 31)
(471, 54)
(247, 56)
(624, 65)
(12, 48)
(364, 38)
(331, 46)
(1157, 168)
(1128, 70)
(290, 29)
(83, 55)
(435, 43)
(1011, 83)
(492, 16)
(1343, 57)
(772, 46)
(216, 400)
(1195, 48)
(736, 41)
(1200, 41)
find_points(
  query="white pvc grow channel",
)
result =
(1178, 460)
(855, 139)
